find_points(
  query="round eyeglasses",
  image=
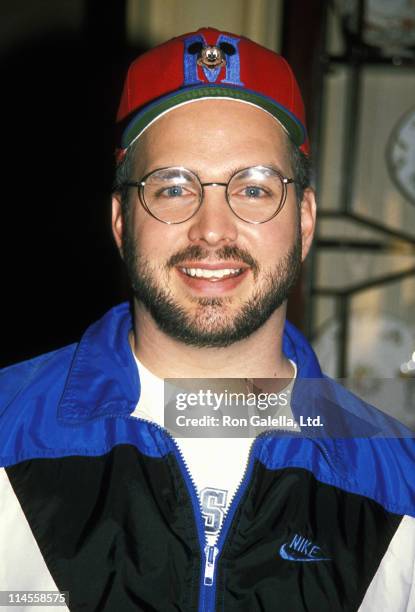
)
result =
(174, 195)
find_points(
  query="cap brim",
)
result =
(147, 115)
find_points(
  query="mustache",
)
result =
(197, 253)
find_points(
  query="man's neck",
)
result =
(258, 356)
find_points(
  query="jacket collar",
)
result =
(103, 379)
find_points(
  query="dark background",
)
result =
(60, 268)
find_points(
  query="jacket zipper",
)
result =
(211, 553)
(208, 553)
(209, 597)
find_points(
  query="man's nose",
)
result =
(214, 222)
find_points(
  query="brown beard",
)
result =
(210, 325)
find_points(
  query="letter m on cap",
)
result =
(232, 64)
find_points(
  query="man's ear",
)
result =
(308, 220)
(117, 221)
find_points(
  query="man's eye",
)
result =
(173, 192)
(253, 191)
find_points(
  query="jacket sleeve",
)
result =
(393, 586)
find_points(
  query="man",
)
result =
(212, 213)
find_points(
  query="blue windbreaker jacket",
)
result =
(100, 504)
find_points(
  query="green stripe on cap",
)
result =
(145, 117)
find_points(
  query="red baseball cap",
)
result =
(209, 64)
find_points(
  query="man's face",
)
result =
(254, 265)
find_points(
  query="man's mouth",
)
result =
(212, 278)
(212, 275)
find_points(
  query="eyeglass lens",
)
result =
(173, 195)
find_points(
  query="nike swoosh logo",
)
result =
(288, 557)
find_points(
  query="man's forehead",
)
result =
(221, 132)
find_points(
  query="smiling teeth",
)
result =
(203, 273)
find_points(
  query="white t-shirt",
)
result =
(216, 465)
